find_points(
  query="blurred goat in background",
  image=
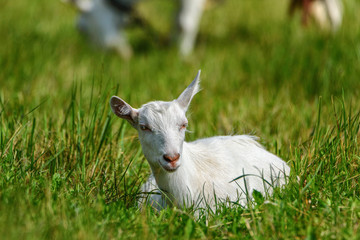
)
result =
(326, 13)
(104, 20)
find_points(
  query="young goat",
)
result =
(104, 22)
(203, 172)
(326, 13)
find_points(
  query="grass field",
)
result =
(69, 169)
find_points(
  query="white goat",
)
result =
(104, 22)
(202, 172)
(326, 13)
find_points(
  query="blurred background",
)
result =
(252, 54)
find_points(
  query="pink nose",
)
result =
(170, 158)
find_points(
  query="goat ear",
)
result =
(124, 110)
(185, 98)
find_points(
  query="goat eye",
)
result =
(183, 126)
(145, 128)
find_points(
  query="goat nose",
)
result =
(170, 158)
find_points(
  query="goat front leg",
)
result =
(118, 42)
(335, 12)
(306, 12)
(304, 5)
(188, 20)
(151, 195)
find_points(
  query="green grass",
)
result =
(69, 169)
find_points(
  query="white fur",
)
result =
(188, 20)
(105, 25)
(327, 13)
(335, 12)
(207, 167)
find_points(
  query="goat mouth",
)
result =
(170, 168)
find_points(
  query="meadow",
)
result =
(69, 169)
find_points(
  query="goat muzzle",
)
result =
(171, 158)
